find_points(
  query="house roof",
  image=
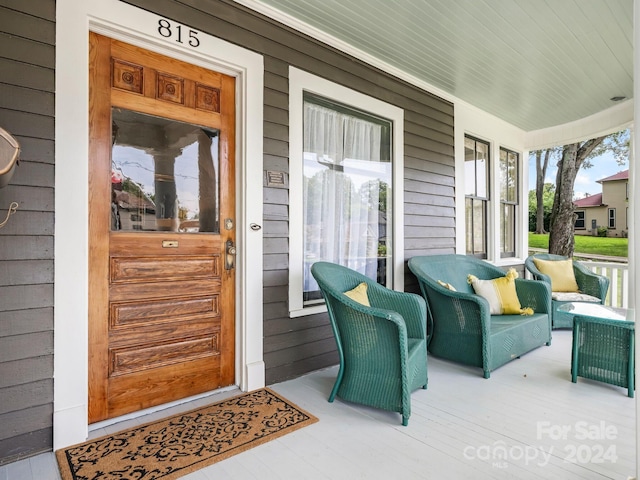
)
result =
(590, 201)
(624, 175)
(535, 64)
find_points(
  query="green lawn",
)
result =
(615, 247)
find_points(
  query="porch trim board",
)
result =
(71, 282)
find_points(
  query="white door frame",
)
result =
(74, 20)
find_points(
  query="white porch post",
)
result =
(634, 183)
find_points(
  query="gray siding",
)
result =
(296, 346)
(292, 346)
(27, 60)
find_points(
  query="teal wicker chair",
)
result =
(463, 329)
(382, 348)
(593, 288)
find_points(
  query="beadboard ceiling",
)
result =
(532, 63)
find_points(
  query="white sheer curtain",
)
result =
(342, 188)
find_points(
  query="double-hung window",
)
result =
(580, 220)
(345, 170)
(612, 218)
(508, 201)
(476, 170)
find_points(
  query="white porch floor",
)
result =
(464, 426)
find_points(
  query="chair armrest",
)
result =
(459, 312)
(374, 314)
(537, 274)
(411, 307)
(534, 294)
(589, 282)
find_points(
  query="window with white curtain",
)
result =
(347, 178)
(346, 199)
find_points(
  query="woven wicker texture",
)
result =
(382, 348)
(588, 282)
(462, 328)
(603, 350)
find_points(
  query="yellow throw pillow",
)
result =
(359, 294)
(561, 273)
(500, 293)
(448, 286)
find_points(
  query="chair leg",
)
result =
(336, 385)
(631, 373)
(574, 353)
(334, 391)
(405, 420)
(487, 373)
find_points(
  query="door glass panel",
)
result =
(164, 175)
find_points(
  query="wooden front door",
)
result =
(162, 229)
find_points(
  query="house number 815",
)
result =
(167, 30)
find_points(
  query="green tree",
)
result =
(373, 194)
(575, 156)
(548, 192)
(542, 162)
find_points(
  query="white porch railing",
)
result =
(618, 275)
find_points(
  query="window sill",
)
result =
(508, 262)
(308, 311)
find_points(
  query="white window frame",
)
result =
(487, 199)
(515, 203)
(611, 218)
(584, 220)
(300, 82)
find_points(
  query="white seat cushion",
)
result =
(573, 297)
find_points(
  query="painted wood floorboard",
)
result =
(528, 421)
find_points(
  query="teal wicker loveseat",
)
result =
(593, 288)
(463, 330)
(382, 348)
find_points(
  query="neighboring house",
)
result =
(608, 210)
(106, 311)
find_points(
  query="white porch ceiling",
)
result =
(533, 63)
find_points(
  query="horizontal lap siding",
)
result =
(293, 346)
(27, 61)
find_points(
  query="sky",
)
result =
(139, 166)
(603, 166)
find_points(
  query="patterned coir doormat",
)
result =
(170, 448)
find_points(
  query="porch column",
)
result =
(165, 190)
(634, 204)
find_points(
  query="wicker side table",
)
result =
(603, 345)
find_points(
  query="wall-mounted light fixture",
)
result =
(9, 157)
